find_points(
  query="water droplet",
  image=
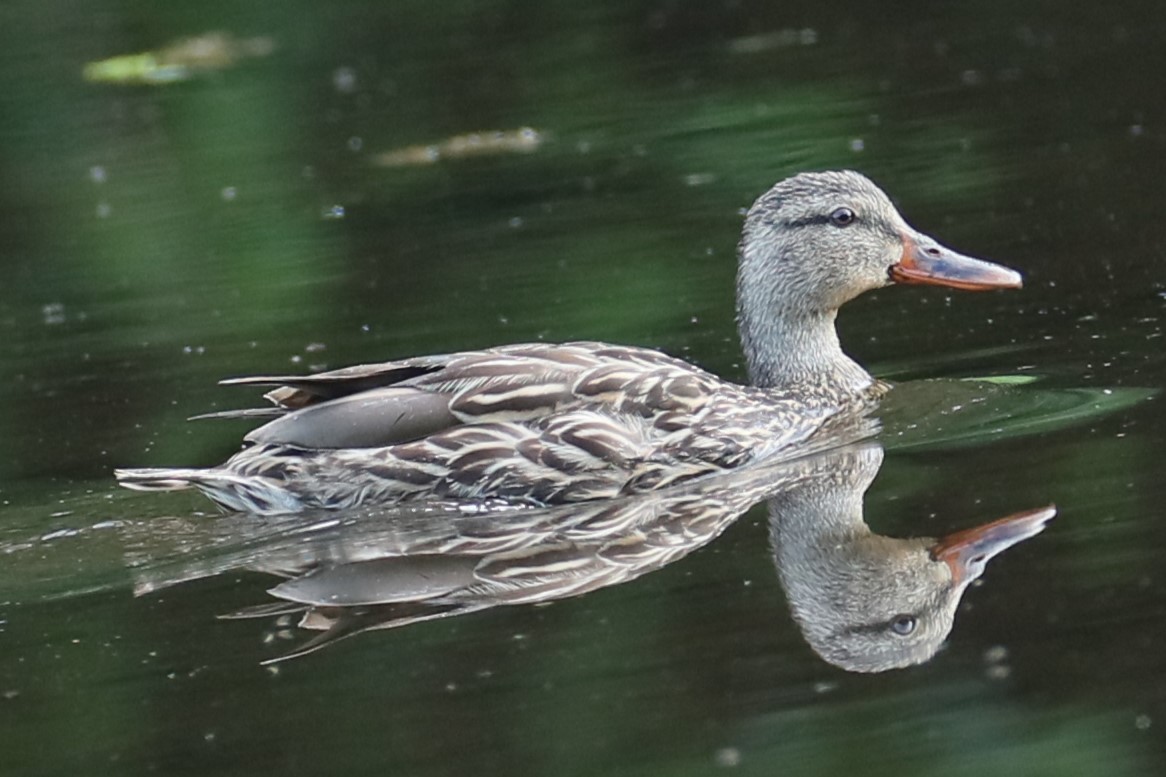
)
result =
(344, 80)
(53, 313)
(996, 653)
(727, 757)
(998, 672)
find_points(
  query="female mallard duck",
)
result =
(543, 424)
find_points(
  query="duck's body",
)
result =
(535, 424)
(545, 424)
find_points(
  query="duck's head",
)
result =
(831, 236)
(817, 240)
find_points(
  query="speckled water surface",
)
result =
(278, 189)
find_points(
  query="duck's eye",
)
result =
(903, 624)
(843, 217)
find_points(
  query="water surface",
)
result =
(159, 237)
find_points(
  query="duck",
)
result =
(538, 424)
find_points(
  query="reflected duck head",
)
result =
(881, 603)
(816, 241)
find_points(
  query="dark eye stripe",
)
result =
(833, 219)
(881, 627)
(880, 224)
(809, 221)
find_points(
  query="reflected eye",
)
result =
(843, 217)
(903, 624)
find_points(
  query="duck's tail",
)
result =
(241, 493)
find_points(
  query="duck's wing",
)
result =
(377, 405)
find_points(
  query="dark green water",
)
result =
(154, 239)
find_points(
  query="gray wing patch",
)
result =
(370, 419)
(381, 581)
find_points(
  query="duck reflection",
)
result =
(867, 602)
(864, 602)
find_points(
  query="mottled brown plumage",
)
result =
(546, 424)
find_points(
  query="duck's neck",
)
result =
(796, 350)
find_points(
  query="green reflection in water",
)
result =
(1002, 128)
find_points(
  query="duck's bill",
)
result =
(967, 552)
(935, 265)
